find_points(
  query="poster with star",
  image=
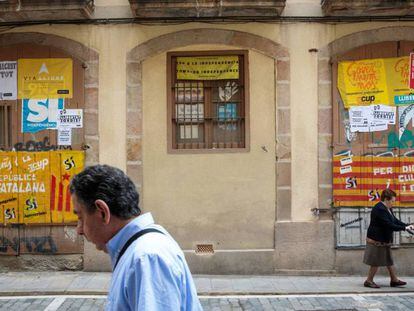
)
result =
(34, 186)
(45, 78)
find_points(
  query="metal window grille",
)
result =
(5, 127)
(351, 225)
(208, 114)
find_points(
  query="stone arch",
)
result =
(90, 60)
(234, 38)
(325, 56)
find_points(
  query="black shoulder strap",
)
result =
(132, 239)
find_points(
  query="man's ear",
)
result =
(103, 209)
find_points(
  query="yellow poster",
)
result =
(8, 178)
(397, 75)
(34, 186)
(374, 81)
(45, 78)
(33, 171)
(363, 82)
(208, 68)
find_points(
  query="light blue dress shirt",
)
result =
(152, 274)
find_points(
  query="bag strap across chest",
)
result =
(132, 239)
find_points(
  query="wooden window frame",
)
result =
(171, 102)
(7, 125)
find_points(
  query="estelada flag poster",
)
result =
(45, 78)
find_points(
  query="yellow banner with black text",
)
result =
(208, 68)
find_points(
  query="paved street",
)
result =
(83, 291)
(368, 302)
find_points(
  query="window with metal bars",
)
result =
(207, 113)
(5, 126)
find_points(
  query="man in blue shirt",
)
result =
(149, 268)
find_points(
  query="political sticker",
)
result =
(8, 80)
(71, 118)
(345, 169)
(40, 114)
(346, 161)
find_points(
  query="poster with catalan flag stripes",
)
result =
(34, 186)
(359, 180)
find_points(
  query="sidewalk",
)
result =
(97, 283)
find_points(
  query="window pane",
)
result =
(190, 133)
(189, 92)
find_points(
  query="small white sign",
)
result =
(64, 136)
(346, 161)
(8, 80)
(345, 169)
(72, 118)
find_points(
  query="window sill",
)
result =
(208, 151)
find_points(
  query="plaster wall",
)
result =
(190, 193)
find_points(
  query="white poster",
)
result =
(384, 114)
(372, 118)
(72, 118)
(64, 136)
(360, 118)
(8, 80)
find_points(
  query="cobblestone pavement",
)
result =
(368, 302)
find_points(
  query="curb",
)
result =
(209, 294)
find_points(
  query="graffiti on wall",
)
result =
(359, 180)
(34, 244)
(34, 186)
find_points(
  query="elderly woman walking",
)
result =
(379, 239)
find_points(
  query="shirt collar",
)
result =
(115, 244)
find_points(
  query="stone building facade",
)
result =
(262, 207)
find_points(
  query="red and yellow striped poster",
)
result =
(359, 180)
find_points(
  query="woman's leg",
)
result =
(391, 271)
(371, 273)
